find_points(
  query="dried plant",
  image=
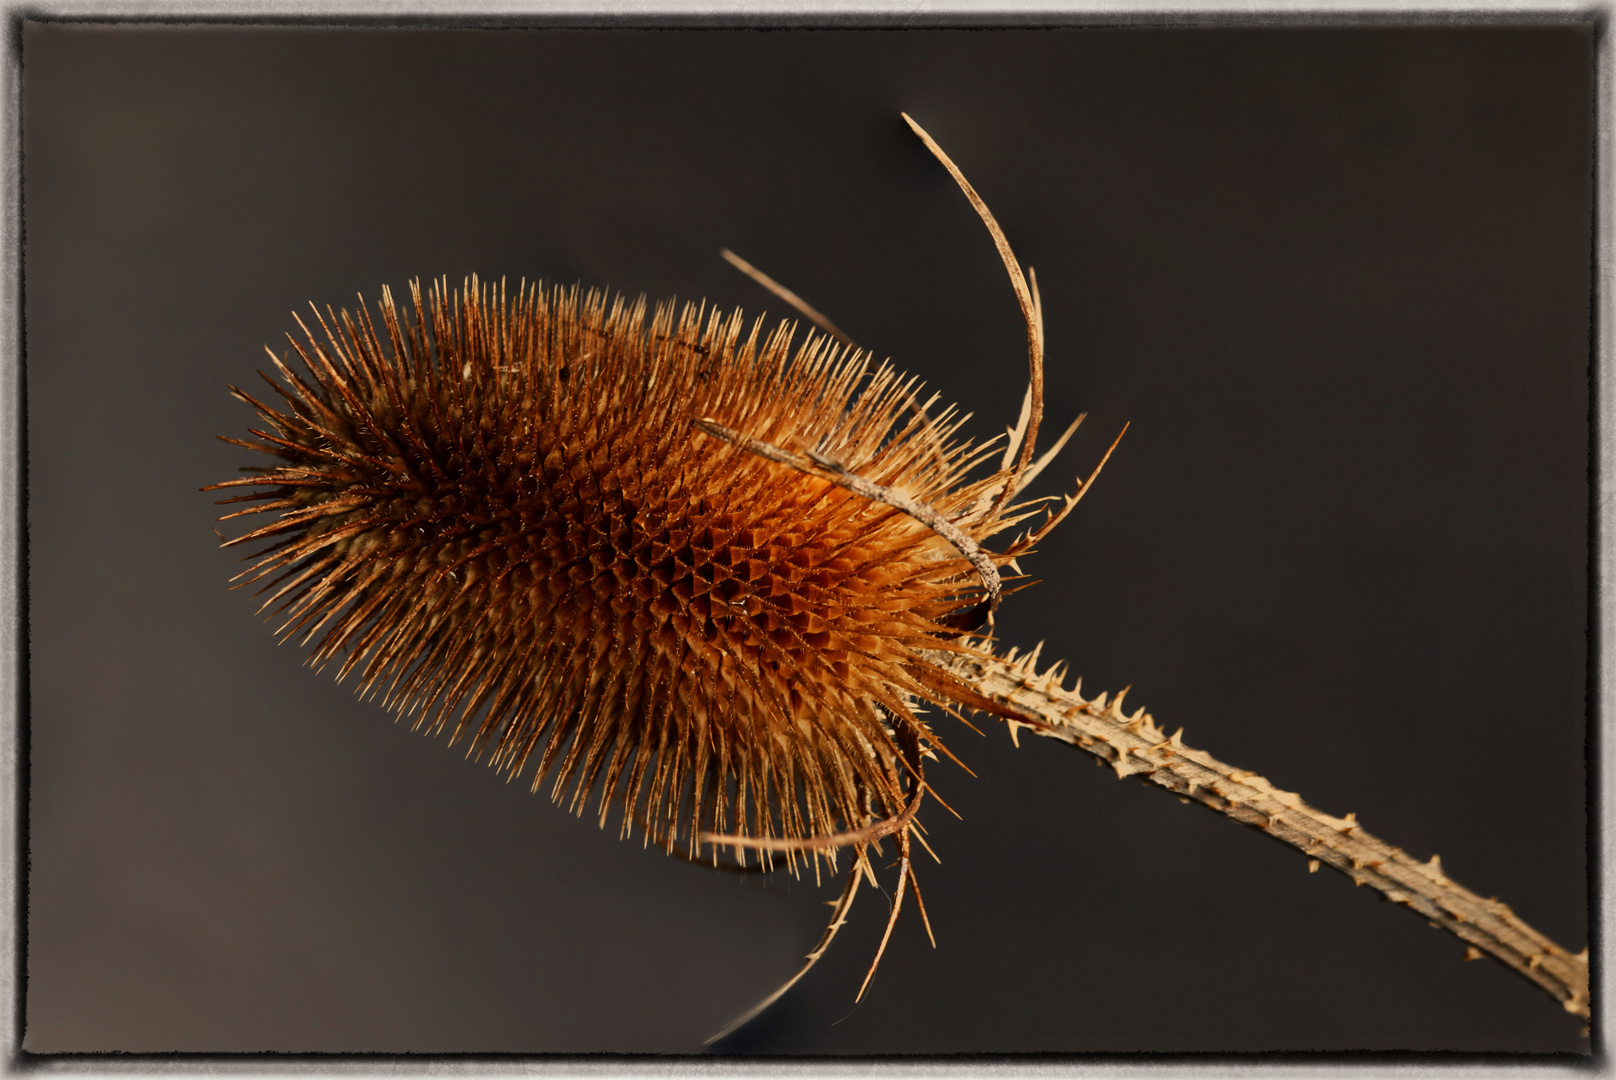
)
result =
(709, 578)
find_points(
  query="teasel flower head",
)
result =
(655, 558)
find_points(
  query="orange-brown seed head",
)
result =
(500, 513)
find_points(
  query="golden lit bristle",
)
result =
(498, 513)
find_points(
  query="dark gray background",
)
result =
(1338, 279)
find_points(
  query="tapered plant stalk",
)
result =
(1133, 745)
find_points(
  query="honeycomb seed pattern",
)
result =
(493, 512)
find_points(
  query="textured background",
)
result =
(1337, 279)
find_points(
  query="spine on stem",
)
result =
(1133, 745)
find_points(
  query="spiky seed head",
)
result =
(497, 513)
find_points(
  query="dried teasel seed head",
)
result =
(538, 520)
(710, 581)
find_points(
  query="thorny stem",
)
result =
(1134, 746)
